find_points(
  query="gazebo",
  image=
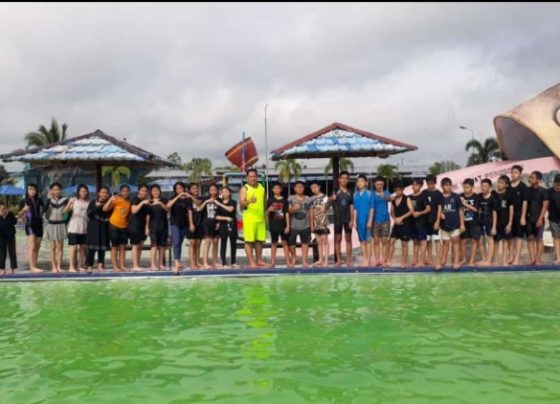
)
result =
(338, 140)
(92, 151)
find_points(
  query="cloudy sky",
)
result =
(191, 77)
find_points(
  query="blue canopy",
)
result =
(11, 190)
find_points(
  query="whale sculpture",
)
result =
(532, 129)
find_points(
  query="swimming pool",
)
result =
(420, 338)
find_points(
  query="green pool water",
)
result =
(473, 338)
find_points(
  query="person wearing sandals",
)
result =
(31, 208)
(55, 230)
(97, 238)
(77, 228)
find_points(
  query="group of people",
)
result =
(493, 222)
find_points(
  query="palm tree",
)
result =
(44, 136)
(482, 152)
(389, 171)
(344, 165)
(287, 169)
(116, 173)
(198, 167)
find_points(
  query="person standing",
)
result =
(554, 215)
(471, 206)
(55, 231)
(278, 216)
(420, 208)
(452, 224)
(319, 223)
(119, 207)
(159, 228)
(300, 226)
(434, 198)
(381, 223)
(77, 228)
(252, 198)
(504, 220)
(226, 216)
(179, 205)
(97, 237)
(363, 217)
(7, 238)
(401, 213)
(138, 229)
(31, 209)
(519, 196)
(487, 219)
(209, 208)
(537, 206)
(196, 232)
(343, 202)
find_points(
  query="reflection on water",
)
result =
(424, 338)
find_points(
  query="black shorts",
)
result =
(418, 232)
(137, 236)
(276, 229)
(118, 236)
(304, 236)
(198, 233)
(472, 232)
(501, 233)
(76, 239)
(431, 231)
(339, 227)
(401, 232)
(35, 229)
(534, 231)
(518, 231)
(210, 229)
(158, 238)
(322, 232)
(485, 229)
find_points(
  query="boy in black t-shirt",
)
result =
(504, 217)
(420, 208)
(487, 218)
(452, 224)
(434, 198)
(471, 204)
(518, 196)
(554, 215)
(278, 218)
(537, 205)
(402, 218)
(342, 202)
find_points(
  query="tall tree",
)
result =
(287, 169)
(443, 166)
(344, 164)
(198, 167)
(175, 158)
(44, 136)
(116, 173)
(482, 152)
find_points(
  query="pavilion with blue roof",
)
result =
(92, 151)
(339, 140)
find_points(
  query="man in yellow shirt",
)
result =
(252, 199)
(118, 226)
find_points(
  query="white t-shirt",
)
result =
(78, 220)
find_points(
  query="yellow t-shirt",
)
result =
(254, 213)
(120, 213)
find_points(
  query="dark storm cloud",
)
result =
(191, 78)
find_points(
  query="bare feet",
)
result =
(317, 264)
(72, 270)
(81, 269)
(154, 268)
(262, 264)
(36, 270)
(438, 267)
(125, 269)
(137, 269)
(471, 264)
(337, 263)
(235, 266)
(556, 262)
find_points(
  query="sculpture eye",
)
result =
(557, 117)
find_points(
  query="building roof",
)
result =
(96, 147)
(339, 140)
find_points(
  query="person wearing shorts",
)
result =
(471, 205)
(381, 223)
(554, 215)
(402, 218)
(503, 205)
(77, 229)
(420, 208)
(537, 206)
(434, 198)
(299, 205)
(319, 223)
(519, 194)
(342, 202)
(196, 232)
(138, 228)
(278, 215)
(363, 217)
(252, 199)
(487, 221)
(209, 208)
(452, 223)
(119, 206)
